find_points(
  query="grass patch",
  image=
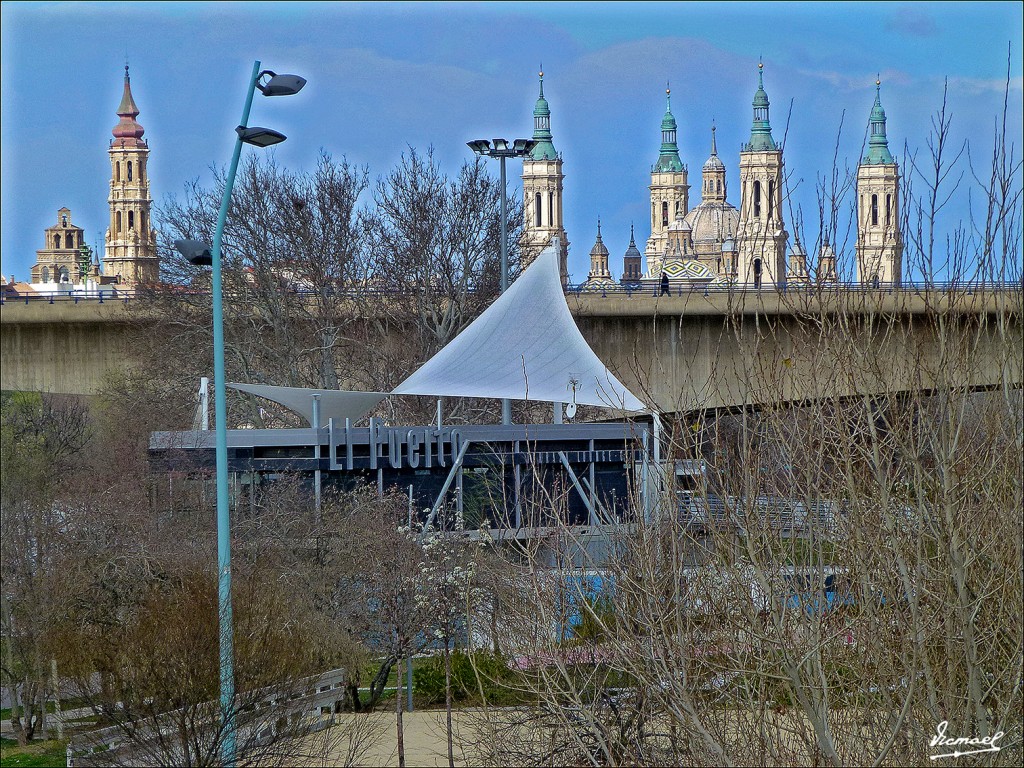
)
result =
(38, 754)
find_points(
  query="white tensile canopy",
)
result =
(525, 346)
(333, 403)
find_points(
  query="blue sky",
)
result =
(383, 77)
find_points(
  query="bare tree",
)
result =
(435, 250)
(40, 438)
(294, 263)
(845, 575)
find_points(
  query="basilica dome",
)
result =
(712, 222)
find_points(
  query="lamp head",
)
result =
(259, 137)
(523, 147)
(480, 146)
(198, 253)
(500, 145)
(279, 85)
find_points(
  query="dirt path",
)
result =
(425, 741)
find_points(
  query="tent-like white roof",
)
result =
(333, 403)
(525, 346)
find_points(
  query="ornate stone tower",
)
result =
(632, 262)
(599, 272)
(713, 175)
(670, 194)
(798, 263)
(879, 240)
(542, 191)
(761, 239)
(64, 258)
(130, 255)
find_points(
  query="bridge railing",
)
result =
(637, 289)
(603, 291)
(64, 297)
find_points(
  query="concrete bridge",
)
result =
(685, 351)
(63, 346)
(708, 350)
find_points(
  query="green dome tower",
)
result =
(761, 240)
(668, 158)
(761, 131)
(879, 236)
(544, 149)
(878, 143)
(670, 192)
(542, 191)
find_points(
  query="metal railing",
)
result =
(142, 742)
(636, 289)
(63, 297)
(774, 513)
(612, 290)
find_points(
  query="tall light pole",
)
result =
(501, 150)
(198, 253)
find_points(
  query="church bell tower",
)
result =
(670, 192)
(762, 236)
(542, 192)
(879, 241)
(130, 255)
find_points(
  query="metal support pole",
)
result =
(316, 452)
(226, 623)
(204, 404)
(593, 478)
(506, 404)
(517, 480)
(584, 496)
(504, 229)
(659, 470)
(456, 467)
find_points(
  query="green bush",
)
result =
(495, 678)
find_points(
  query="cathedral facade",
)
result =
(716, 242)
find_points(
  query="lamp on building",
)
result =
(501, 150)
(200, 253)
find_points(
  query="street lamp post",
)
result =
(502, 150)
(198, 253)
